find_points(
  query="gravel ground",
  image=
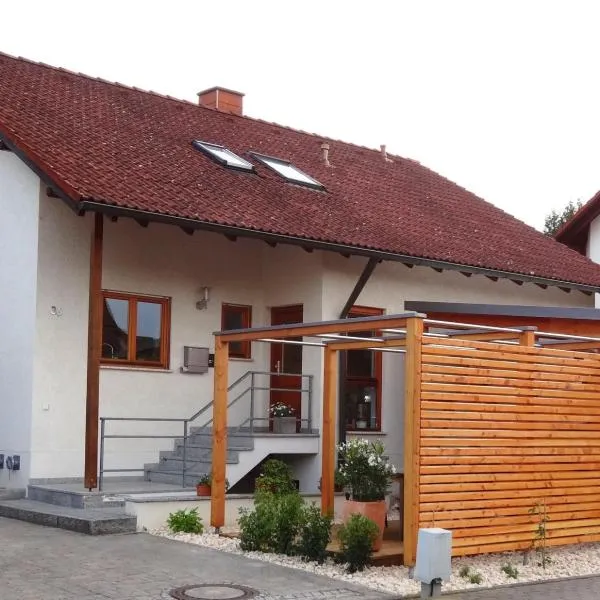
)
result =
(565, 562)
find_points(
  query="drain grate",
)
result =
(213, 591)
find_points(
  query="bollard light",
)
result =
(434, 553)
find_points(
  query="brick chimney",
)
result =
(222, 99)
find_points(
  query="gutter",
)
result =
(183, 222)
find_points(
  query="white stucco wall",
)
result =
(19, 193)
(593, 249)
(58, 416)
(164, 261)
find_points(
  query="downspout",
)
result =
(358, 288)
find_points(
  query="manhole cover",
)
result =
(212, 591)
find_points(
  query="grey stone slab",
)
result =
(90, 521)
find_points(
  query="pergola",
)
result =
(404, 333)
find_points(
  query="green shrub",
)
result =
(356, 542)
(185, 521)
(288, 511)
(510, 571)
(315, 533)
(273, 525)
(465, 571)
(275, 478)
(256, 527)
(475, 578)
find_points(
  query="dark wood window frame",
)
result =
(165, 330)
(368, 311)
(238, 349)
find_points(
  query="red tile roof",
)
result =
(132, 149)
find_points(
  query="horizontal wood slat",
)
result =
(504, 427)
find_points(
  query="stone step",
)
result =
(92, 521)
(198, 453)
(175, 464)
(11, 493)
(155, 474)
(206, 440)
(72, 499)
(193, 449)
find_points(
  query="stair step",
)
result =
(11, 493)
(92, 521)
(71, 499)
(196, 454)
(159, 476)
(175, 463)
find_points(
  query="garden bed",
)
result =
(568, 561)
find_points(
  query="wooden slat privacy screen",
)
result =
(501, 428)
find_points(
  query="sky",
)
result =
(502, 97)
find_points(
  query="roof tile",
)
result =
(132, 149)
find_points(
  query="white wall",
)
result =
(163, 260)
(19, 192)
(59, 397)
(593, 249)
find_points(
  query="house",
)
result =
(135, 225)
(582, 232)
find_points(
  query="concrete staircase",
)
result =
(92, 514)
(198, 457)
(245, 450)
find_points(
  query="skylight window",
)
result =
(223, 156)
(288, 171)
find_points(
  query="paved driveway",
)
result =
(40, 563)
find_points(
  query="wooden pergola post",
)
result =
(527, 338)
(219, 446)
(330, 386)
(412, 436)
(92, 399)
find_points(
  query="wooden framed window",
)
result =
(135, 330)
(237, 316)
(362, 381)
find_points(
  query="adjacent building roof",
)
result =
(575, 232)
(105, 146)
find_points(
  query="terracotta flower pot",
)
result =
(376, 511)
(203, 489)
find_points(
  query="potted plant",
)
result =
(203, 487)
(284, 420)
(368, 475)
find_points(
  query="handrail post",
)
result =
(252, 402)
(101, 469)
(310, 393)
(185, 435)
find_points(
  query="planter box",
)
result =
(284, 425)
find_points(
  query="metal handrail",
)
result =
(186, 421)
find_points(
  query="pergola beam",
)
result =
(278, 332)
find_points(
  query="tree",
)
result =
(555, 220)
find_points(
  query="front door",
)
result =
(286, 364)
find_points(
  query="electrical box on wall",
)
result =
(195, 360)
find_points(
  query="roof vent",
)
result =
(384, 153)
(222, 99)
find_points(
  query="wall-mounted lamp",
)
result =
(203, 303)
